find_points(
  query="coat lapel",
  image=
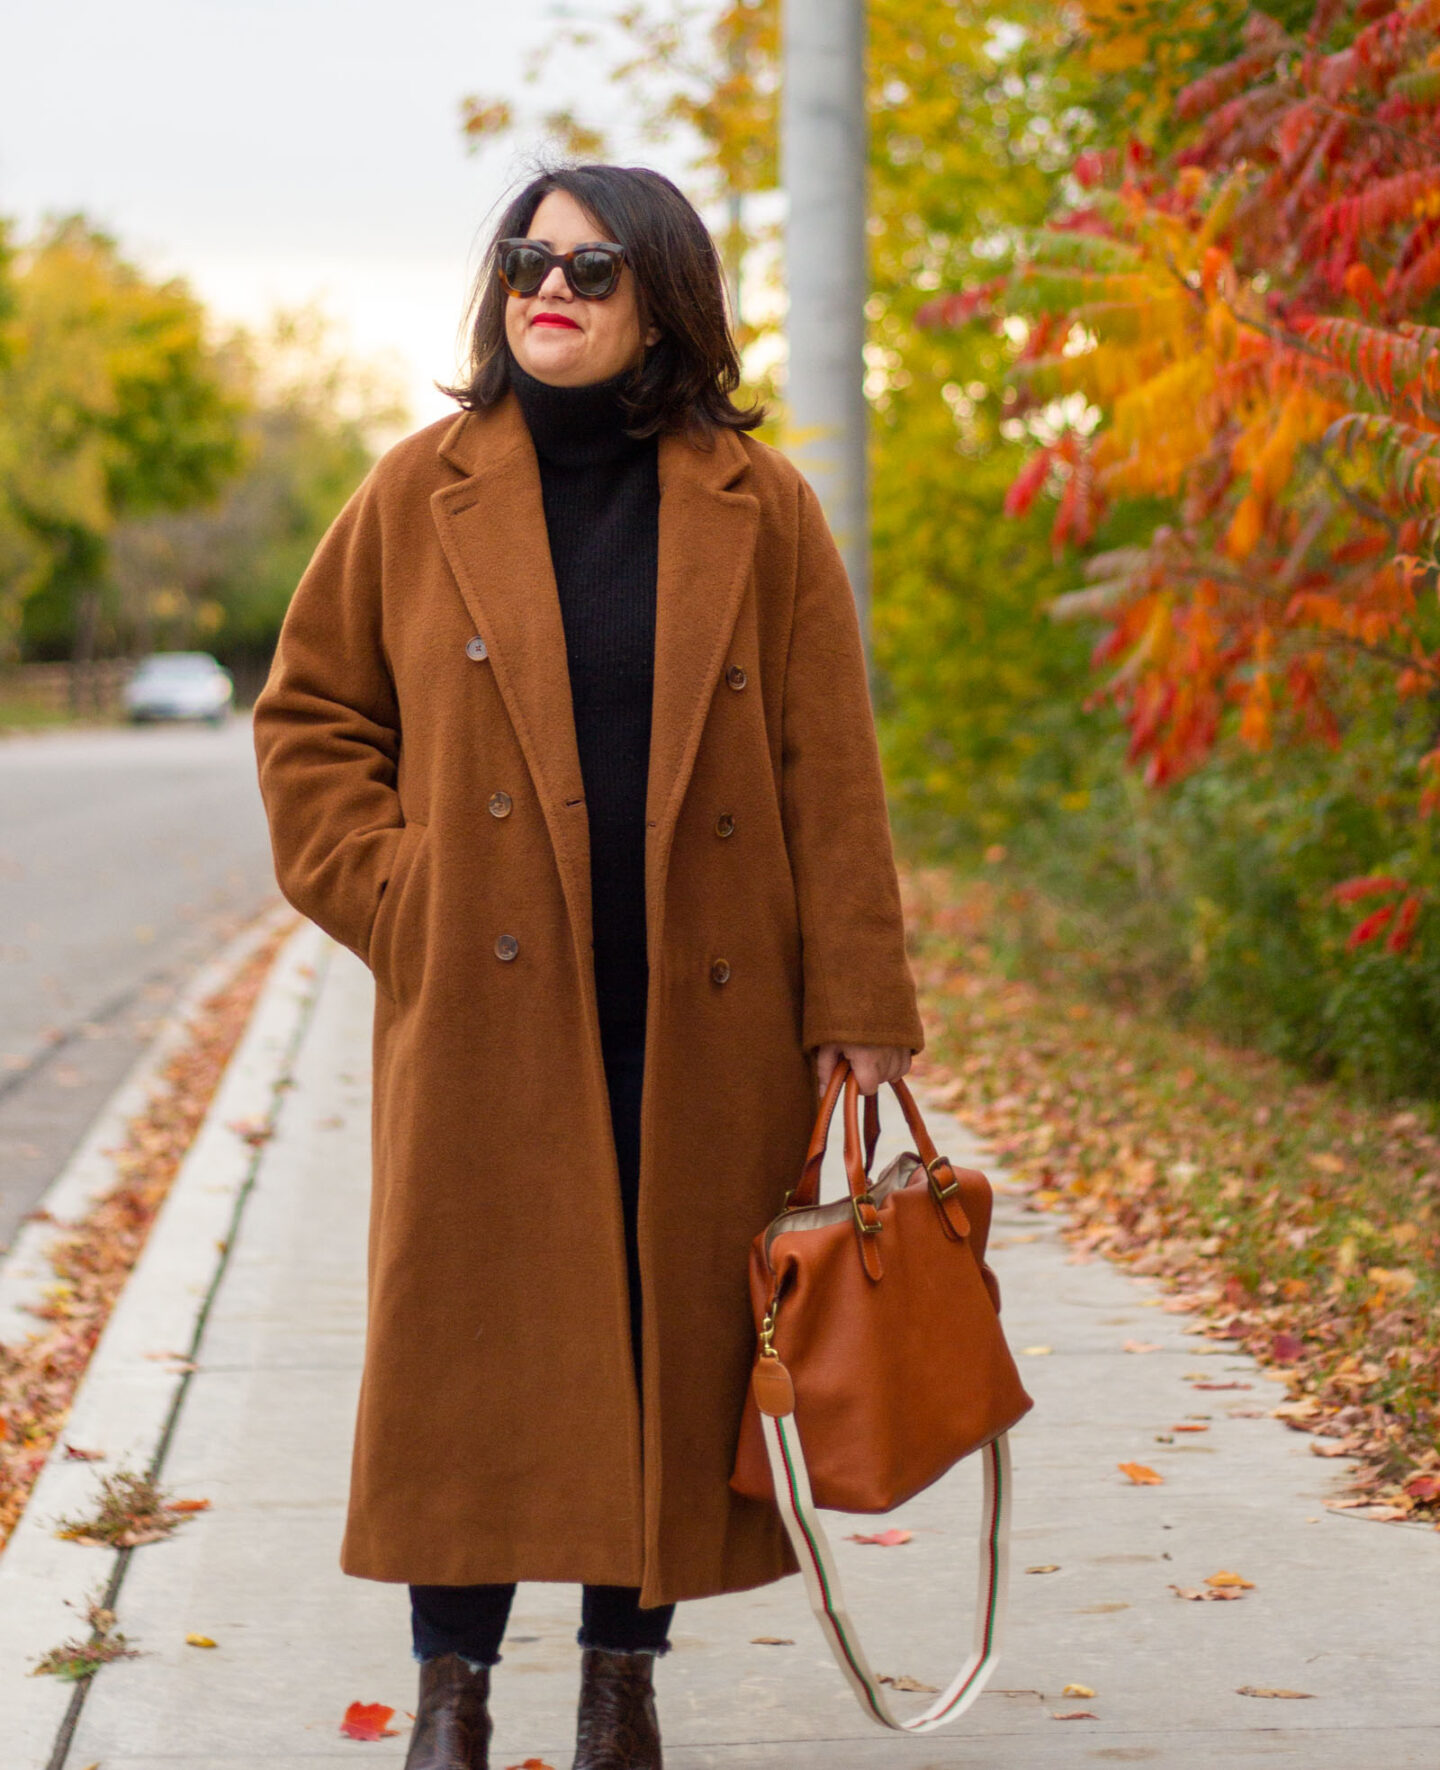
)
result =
(707, 544)
(492, 527)
(707, 540)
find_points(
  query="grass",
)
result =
(1297, 1219)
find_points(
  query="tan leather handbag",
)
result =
(881, 1363)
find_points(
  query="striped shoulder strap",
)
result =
(822, 1580)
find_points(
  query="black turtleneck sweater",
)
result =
(602, 512)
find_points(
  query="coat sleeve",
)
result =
(327, 735)
(857, 980)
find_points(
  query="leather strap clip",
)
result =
(867, 1230)
(945, 1190)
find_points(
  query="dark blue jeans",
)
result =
(470, 1620)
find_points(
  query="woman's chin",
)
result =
(552, 352)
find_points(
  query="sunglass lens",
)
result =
(523, 269)
(594, 273)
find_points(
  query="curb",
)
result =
(25, 1272)
(128, 1398)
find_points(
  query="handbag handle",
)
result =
(808, 1189)
(943, 1184)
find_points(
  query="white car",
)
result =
(179, 685)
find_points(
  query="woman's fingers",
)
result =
(874, 1065)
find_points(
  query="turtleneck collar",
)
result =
(576, 426)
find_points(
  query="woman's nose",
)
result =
(555, 285)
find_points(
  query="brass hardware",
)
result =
(767, 1333)
(941, 1192)
(866, 1198)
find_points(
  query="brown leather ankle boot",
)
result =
(452, 1723)
(618, 1728)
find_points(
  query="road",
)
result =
(126, 857)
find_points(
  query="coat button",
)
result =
(476, 648)
(720, 971)
(500, 805)
(507, 948)
(736, 677)
(725, 826)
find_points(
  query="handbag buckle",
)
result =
(866, 1200)
(940, 1190)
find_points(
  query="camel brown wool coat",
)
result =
(418, 765)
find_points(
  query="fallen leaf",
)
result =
(1189, 1426)
(1202, 1595)
(1223, 1579)
(1286, 1348)
(368, 1721)
(1077, 1690)
(771, 1641)
(1423, 1487)
(252, 1131)
(189, 1505)
(903, 1682)
(1222, 1385)
(883, 1539)
(199, 1641)
(1141, 1475)
(1140, 1346)
(74, 1454)
(1262, 1690)
(1044, 1567)
(1074, 1715)
(1037, 1351)
(1331, 1447)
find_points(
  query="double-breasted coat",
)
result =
(418, 765)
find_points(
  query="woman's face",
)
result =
(559, 338)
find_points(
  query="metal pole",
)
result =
(823, 151)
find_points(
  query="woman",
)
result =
(568, 738)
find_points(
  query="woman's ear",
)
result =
(652, 337)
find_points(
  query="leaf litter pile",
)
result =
(1290, 1218)
(83, 1655)
(93, 1258)
(130, 1509)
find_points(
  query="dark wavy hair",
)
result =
(686, 380)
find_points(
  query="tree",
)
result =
(113, 405)
(222, 574)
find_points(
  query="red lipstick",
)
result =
(554, 319)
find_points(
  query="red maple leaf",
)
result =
(368, 1721)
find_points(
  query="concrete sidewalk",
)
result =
(1347, 1611)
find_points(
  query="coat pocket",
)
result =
(389, 944)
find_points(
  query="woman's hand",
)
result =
(873, 1064)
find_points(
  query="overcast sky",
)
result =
(281, 151)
